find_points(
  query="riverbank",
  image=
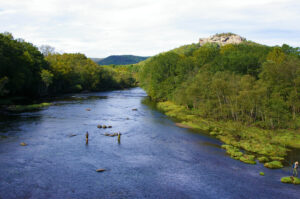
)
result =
(244, 143)
(31, 107)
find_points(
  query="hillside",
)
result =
(119, 60)
(246, 94)
(226, 77)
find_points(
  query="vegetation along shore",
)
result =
(244, 93)
(29, 73)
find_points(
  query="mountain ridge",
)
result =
(120, 59)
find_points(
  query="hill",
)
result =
(244, 93)
(225, 77)
(119, 60)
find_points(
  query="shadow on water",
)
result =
(10, 122)
(78, 98)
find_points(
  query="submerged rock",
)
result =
(182, 125)
(72, 135)
(23, 144)
(273, 165)
(99, 126)
(111, 134)
(100, 170)
(134, 109)
(109, 127)
(290, 180)
(88, 109)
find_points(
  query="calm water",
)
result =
(155, 159)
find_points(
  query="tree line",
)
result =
(27, 71)
(246, 82)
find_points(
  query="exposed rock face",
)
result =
(222, 39)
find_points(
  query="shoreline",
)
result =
(241, 142)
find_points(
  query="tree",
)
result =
(3, 82)
(47, 50)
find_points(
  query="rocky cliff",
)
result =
(222, 39)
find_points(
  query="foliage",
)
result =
(266, 144)
(3, 82)
(21, 64)
(32, 107)
(248, 82)
(26, 72)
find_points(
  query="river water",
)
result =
(155, 158)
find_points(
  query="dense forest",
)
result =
(27, 71)
(247, 82)
(119, 60)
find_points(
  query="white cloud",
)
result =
(100, 28)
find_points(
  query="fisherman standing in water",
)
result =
(87, 138)
(295, 168)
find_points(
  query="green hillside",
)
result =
(247, 95)
(246, 82)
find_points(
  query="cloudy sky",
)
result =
(99, 28)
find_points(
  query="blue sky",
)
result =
(100, 28)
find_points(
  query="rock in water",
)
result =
(88, 109)
(72, 135)
(99, 126)
(111, 134)
(23, 144)
(100, 170)
(134, 109)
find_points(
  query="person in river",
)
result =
(295, 168)
(87, 138)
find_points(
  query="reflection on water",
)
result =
(155, 159)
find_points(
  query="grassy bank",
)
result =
(31, 107)
(268, 146)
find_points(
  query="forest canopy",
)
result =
(26, 71)
(246, 82)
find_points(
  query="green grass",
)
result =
(263, 159)
(290, 180)
(234, 152)
(273, 165)
(248, 159)
(23, 108)
(266, 144)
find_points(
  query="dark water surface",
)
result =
(155, 159)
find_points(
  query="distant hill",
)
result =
(119, 60)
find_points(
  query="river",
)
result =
(155, 158)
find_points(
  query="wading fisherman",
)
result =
(295, 168)
(87, 138)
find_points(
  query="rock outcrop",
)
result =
(222, 39)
